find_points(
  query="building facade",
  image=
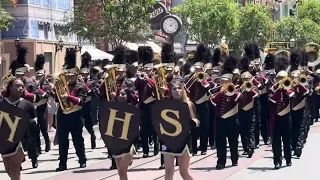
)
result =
(39, 26)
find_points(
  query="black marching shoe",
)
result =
(220, 166)
(93, 142)
(35, 163)
(112, 167)
(83, 165)
(161, 167)
(234, 163)
(203, 152)
(245, 153)
(48, 147)
(145, 156)
(250, 153)
(61, 168)
(277, 166)
(298, 152)
(288, 162)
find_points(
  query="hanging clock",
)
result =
(171, 25)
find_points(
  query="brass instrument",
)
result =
(285, 83)
(197, 76)
(247, 86)
(159, 75)
(303, 80)
(6, 79)
(61, 88)
(110, 82)
(228, 87)
(313, 53)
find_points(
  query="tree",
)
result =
(110, 20)
(287, 29)
(5, 18)
(309, 9)
(209, 21)
(255, 26)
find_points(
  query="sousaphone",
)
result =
(313, 54)
(284, 53)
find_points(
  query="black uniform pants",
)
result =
(247, 125)
(227, 129)
(70, 123)
(298, 128)
(281, 130)
(147, 130)
(203, 130)
(94, 109)
(257, 111)
(30, 141)
(42, 125)
(88, 122)
(264, 116)
(211, 123)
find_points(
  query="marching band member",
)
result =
(198, 87)
(95, 78)
(298, 103)
(253, 52)
(281, 127)
(227, 124)
(124, 159)
(246, 108)
(90, 87)
(32, 93)
(145, 86)
(70, 121)
(178, 92)
(42, 104)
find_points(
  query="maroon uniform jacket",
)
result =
(298, 101)
(247, 99)
(226, 106)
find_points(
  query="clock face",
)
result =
(170, 25)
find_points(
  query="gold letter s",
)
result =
(125, 127)
(172, 121)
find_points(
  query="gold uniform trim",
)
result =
(300, 105)
(231, 113)
(185, 150)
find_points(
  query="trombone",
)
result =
(246, 86)
(302, 79)
(197, 76)
(285, 83)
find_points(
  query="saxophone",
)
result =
(159, 75)
(61, 88)
(110, 82)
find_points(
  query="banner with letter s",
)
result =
(14, 123)
(119, 125)
(171, 122)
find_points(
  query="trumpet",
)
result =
(229, 87)
(141, 75)
(285, 83)
(247, 86)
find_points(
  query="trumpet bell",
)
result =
(303, 80)
(286, 83)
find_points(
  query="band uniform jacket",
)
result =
(32, 92)
(77, 96)
(198, 91)
(246, 101)
(46, 91)
(146, 90)
(226, 106)
(261, 82)
(298, 101)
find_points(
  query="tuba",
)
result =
(61, 88)
(159, 75)
(312, 49)
(110, 81)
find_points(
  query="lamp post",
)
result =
(292, 43)
(59, 45)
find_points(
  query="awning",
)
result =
(96, 53)
(134, 46)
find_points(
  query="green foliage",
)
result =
(309, 9)
(5, 18)
(286, 29)
(305, 28)
(208, 21)
(255, 25)
(114, 21)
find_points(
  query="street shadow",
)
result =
(143, 169)
(90, 170)
(98, 158)
(209, 168)
(46, 160)
(48, 171)
(262, 169)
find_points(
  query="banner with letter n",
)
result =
(119, 125)
(14, 123)
(171, 122)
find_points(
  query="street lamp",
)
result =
(79, 46)
(59, 45)
(292, 43)
(17, 42)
